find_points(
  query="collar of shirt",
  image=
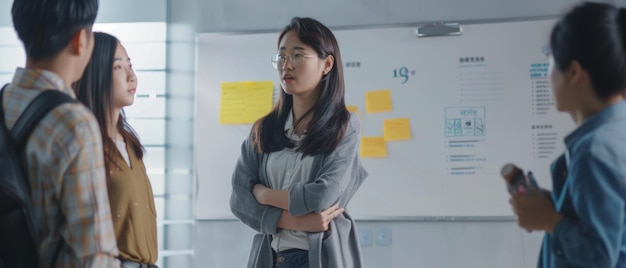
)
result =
(40, 79)
(289, 129)
(613, 112)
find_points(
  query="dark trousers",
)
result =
(291, 258)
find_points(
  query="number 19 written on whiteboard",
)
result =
(403, 73)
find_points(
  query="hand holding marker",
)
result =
(517, 183)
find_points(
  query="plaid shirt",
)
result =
(67, 177)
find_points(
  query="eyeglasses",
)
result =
(295, 59)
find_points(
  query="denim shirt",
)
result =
(589, 191)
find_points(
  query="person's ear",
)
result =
(328, 62)
(80, 42)
(575, 74)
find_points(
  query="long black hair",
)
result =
(594, 34)
(330, 116)
(94, 89)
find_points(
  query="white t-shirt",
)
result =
(121, 146)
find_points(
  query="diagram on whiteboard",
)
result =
(464, 121)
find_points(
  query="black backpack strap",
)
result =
(2, 124)
(34, 112)
(26, 123)
(1, 106)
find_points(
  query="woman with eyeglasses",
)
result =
(584, 216)
(300, 166)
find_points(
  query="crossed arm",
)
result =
(306, 206)
(265, 210)
(312, 222)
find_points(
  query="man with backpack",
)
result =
(63, 155)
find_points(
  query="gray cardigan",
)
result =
(334, 178)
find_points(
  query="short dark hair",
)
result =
(594, 34)
(47, 26)
(330, 115)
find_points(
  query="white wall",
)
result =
(249, 15)
(180, 83)
(110, 11)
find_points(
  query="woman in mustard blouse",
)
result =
(109, 84)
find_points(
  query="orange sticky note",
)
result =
(397, 129)
(378, 101)
(373, 147)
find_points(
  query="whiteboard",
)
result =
(474, 101)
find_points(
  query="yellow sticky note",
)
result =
(397, 129)
(245, 102)
(353, 108)
(373, 147)
(378, 101)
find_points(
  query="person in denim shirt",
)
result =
(584, 215)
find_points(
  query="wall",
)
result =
(414, 244)
(251, 15)
(110, 11)
(180, 111)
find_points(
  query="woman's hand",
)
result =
(270, 197)
(258, 191)
(312, 222)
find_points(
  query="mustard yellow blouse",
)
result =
(132, 208)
